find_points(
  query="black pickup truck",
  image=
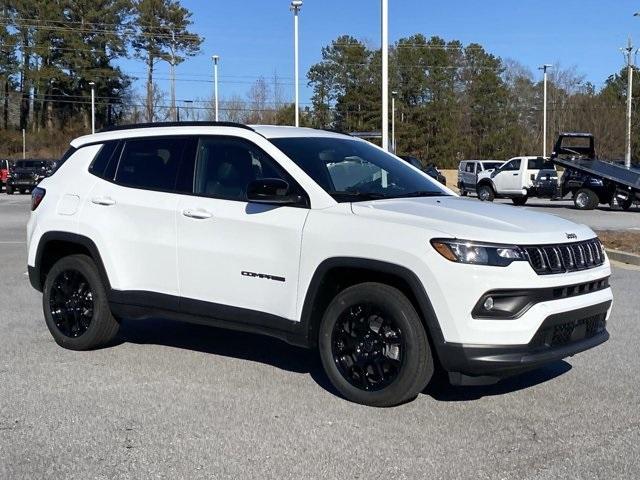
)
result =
(24, 175)
(592, 181)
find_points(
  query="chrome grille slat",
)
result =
(566, 257)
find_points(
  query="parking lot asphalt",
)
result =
(172, 400)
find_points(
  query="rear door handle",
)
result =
(104, 201)
(198, 214)
(515, 174)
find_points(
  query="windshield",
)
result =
(30, 164)
(352, 170)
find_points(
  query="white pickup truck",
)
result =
(519, 179)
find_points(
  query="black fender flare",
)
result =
(425, 308)
(35, 276)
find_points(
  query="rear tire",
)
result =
(486, 193)
(625, 204)
(374, 347)
(586, 199)
(519, 201)
(9, 190)
(23, 191)
(463, 192)
(75, 305)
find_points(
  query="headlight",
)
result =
(477, 253)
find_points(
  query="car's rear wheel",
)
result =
(519, 201)
(75, 305)
(9, 190)
(23, 191)
(486, 193)
(463, 192)
(373, 346)
(585, 199)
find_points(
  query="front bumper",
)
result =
(560, 335)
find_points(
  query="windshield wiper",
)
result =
(421, 193)
(358, 196)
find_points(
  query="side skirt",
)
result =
(140, 305)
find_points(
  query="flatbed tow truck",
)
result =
(592, 181)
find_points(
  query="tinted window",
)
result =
(150, 163)
(225, 166)
(99, 165)
(539, 164)
(512, 165)
(470, 167)
(352, 170)
(491, 165)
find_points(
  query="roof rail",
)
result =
(132, 126)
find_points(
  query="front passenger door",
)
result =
(232, 253)
(507, 179)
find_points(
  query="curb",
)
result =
(624, 257)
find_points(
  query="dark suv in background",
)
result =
(24, 175)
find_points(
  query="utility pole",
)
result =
(393, 121)
(172, 69)
(385, 73)
(629, 54)
(544, 108)
(296, 5)
(215, 59)
(93, 106)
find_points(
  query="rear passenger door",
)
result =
(232, 253)
(132, 209)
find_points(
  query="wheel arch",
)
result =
(488, 182)
(335, 274)
(55, 245)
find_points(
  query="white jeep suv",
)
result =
(319, 239)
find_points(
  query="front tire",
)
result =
(486, 193)
(75, 305)
(373, 346)
(586, 199)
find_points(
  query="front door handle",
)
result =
(198, 214)
(515, 174)
(104, 201)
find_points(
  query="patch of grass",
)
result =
(624, 240)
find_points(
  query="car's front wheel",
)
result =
(75, 305)
(485, 193)
(373, 346)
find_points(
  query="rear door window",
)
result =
(150, 163)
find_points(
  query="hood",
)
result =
(469, 219)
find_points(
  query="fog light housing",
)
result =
(488, 304)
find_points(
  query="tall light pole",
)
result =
(629, 53)
(544, 109)
(393, 120)
(296, 5)
(385, 73)
(93, 106)
(215, 59)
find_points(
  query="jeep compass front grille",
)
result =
(565, 257)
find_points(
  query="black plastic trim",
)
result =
(506, 360)
(141, 304)
(134, 126)
(35, 276)
(519, 301)
(426, 311)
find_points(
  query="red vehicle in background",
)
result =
(4, 172)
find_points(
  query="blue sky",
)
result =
(254, 37)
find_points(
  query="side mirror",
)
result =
(274, 191)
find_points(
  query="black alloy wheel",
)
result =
(367, 347)
(75, 304)
(71, 303)
(374, 346)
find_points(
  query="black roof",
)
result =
(132, 126)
